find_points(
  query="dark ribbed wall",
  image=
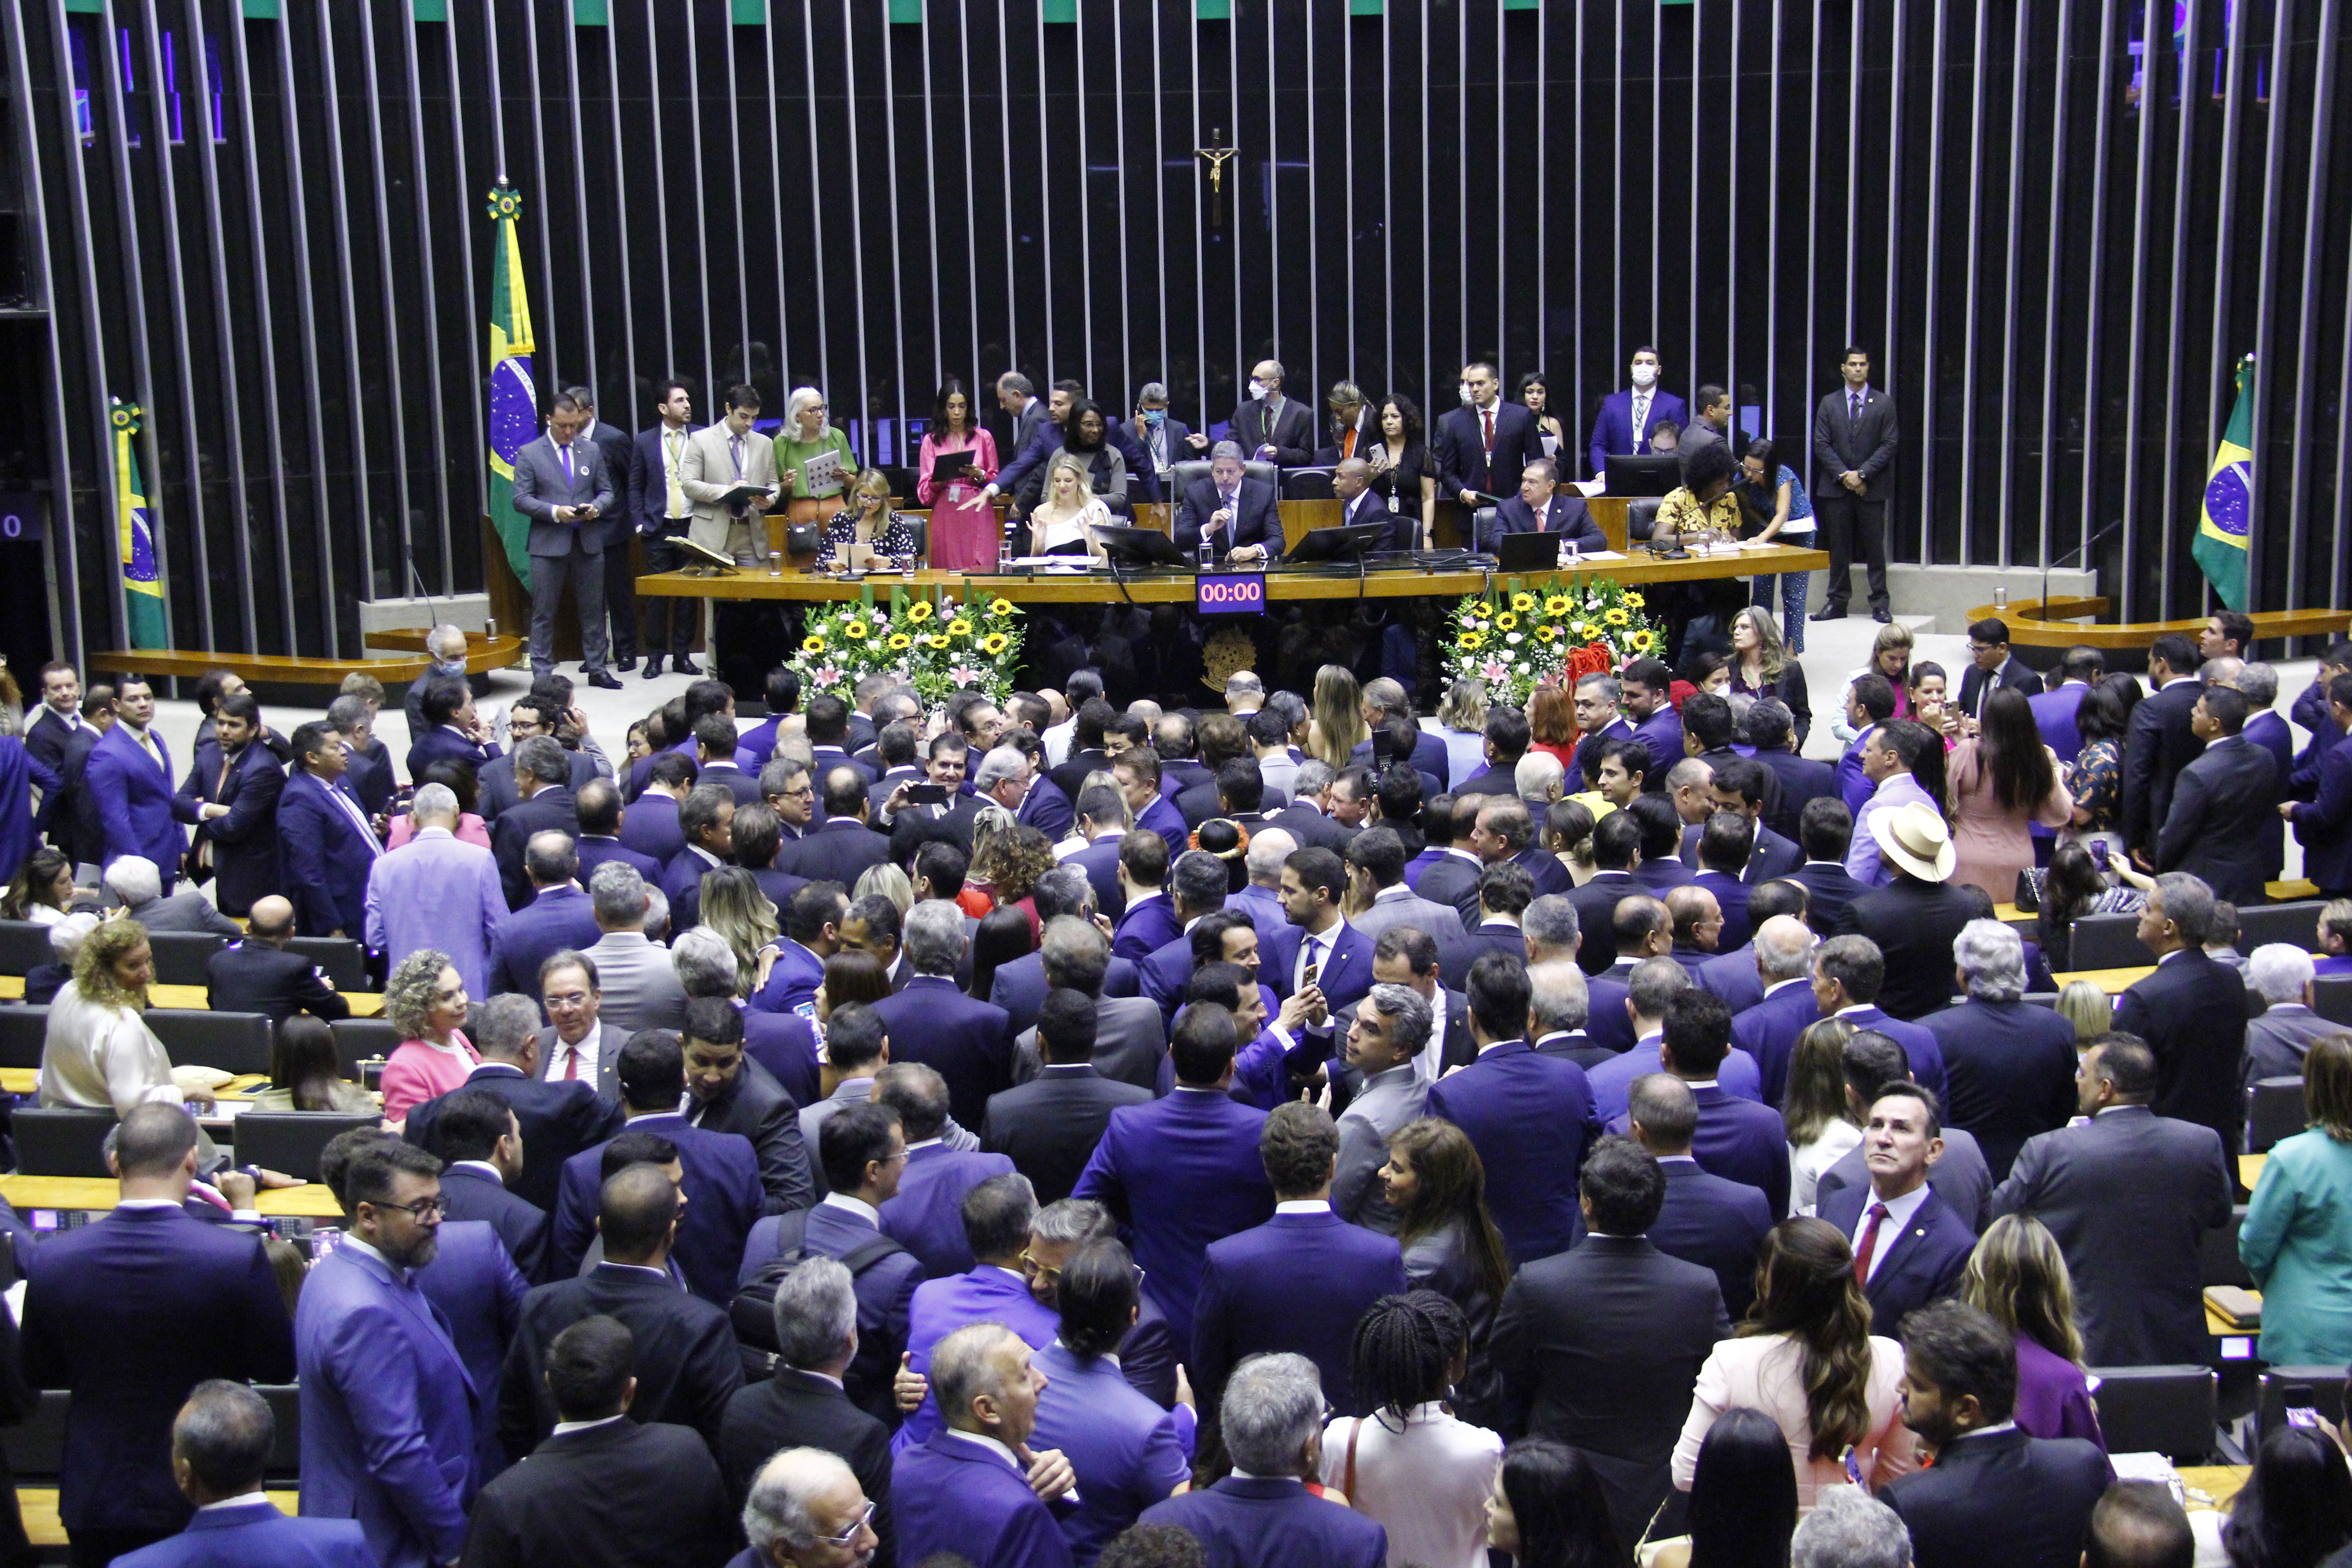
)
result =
(2055, 262)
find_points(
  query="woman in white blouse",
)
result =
(1806, 1357)
(1815, 1111)
(1411, 1465)
(99, 1053)
(1071, 510)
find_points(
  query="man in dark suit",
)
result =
(1769, 1031)
(1086, 752)
(687, 1365)
(222, 1441)
(1600, 1347)
(133, 1312)
(1824, 830)
(2128, 1195)
(1103, 823)
(1235, 513)
(1006, 776)
(1270, 427)
(1910, 1247)
(128, 777)
(1800, 781)
(707, 817)
(1854, 436)
(1740, 786)
(1503, 896)
(58, 717)
(558, 1118)
(927, 1214)
(1262, 1512)
(1360, 506)
(1993, 666)
(728, 1092)
(662, 513)
(1736, 1138)
(1483, 446)
(2061, 700)
(528, 716)
(327, 845)
(2160, 741)
(650, 828)
(614, 529)
(74, 826)
(1616, 849)
(1539, 508)
(1530, 1117)
(981, 1498)
(969, 1043)
(546, 806)
(1914, 919)
(2323, 825)
(1848, 972)
(1995, 1494)
(1050, 1125)
(259, 975)
(2009, 1065)
(2191, 1010)
(2224, 815)
(1706, 1219)
(233, 784)
(557, 918)
(845, 846)
(1622, 426)
(1246, 1305)
(1734, 975)
(564, 486)
(479, 1139)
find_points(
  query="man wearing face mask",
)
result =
(1486, 444)
(1165, 439)
(1270, 427)
(1627, 417)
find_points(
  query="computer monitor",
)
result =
(1140, 546)
(1648, 475)
(1342, 544)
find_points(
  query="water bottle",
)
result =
(775, 562)
(1208, 553)
(1004, 554)
(2000, 598)
(907, 565)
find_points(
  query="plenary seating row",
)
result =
(36, 1449)
(181, 956)
(2174, 1410)
(2110, 941)
(57, 1140)
(195, 1036)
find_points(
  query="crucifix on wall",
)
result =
(1217, 155)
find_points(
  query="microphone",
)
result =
(2082, 549)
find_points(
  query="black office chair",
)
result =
(37, 1450)
(22, 1031)
(58, 1141)
(362, 1039)
(181, 955)
(2218, 1261)
(290, 1140)
(2296, 924)
(2326, 1385)
(2169, 1410)
(1307, 484)
(285, 1402)
(232, 1042)
(343, 961)
(1641, 517)
(23, 946)
(2108, 941)
(2331, 998)
(2274, 1110)
(1195, 471)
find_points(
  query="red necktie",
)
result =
(572, 1065)
(1489, 415)
(1869, 1244)
(1543, 518)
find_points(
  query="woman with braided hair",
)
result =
(1412, 1464)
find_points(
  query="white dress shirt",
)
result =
(1898, 1215)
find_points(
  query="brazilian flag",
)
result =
(514, 399)
(142, 591)
(2220, 548)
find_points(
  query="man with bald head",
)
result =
(558, 916)
(1360, 504)
(257, 974)
(1697, 925)
(974, 1488)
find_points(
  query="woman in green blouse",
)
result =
(807, 434)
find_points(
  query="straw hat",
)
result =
(1914, 837)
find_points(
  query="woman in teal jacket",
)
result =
(2297, 1238)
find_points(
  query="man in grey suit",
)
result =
(719, 459)
(2280, 973)
(579, 1043)
(641, 990)
(1376, 860)
(1130, 1037)
(563, 484)
(2128, 1195)
(138, 883)
(1854, 436)
(1390, 1026)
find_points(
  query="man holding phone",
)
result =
(563, 484)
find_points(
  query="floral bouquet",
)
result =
(927, 640)
(1512, 639)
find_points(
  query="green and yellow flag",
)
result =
(142, 591)
(2221, 547)
(514, 398)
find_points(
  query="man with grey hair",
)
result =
(1769, 1030)
(807, 1509)
(1850, 1529)
(1270, 427)
(1005, 777)
(1231, 515)
(1552, 930)
(1559, 1004)
(2191, 1010)
(803, 1405)
(968, 1042)
(1131, 1037)
(1260, 898)
(134, 880)
(2264, 727)
(437, 891)
(558, 1118)
(2281, 975)
(1272, 1419)
(1655, 982)
(1391, 1025)
(640, 986)
(974, 1489)
(543, 802)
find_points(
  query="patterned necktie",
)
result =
(1864, 1253)
(1853, 406)
(673, 447)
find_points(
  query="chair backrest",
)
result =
(2296, 924)
(23, 946)
(2274, 1110)
(285, 1402)
(2326, 1385)
(37, 1450)
(343, 961)
(57, 1140)
(1641, 517)
(233, 1042)
(2168, 1410)
(2217, 1262)
(358, 1040)
(181, 956)
(920, 527)
(1194, 471)
(2107, 942)
(2331, 998)
(289, 1141)
(1306, 484)
(22, 1032)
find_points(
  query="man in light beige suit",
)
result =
(716, 460)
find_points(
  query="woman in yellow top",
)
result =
(1707, 498)
(807, 434)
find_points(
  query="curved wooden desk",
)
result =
(2047, 623)
(482, 653)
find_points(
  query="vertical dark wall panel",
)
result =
(2055, 235)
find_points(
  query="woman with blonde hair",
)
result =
(2018, 1274)
(2297, 1237)
(1337, 727)
(868, 528)
(1816, 1111)
(736, 908)
(1890, 656)
(2091, 1010)
(1806, 1357)
(1070, 511)
(1463, 715)
(885, 881)
(808, 434)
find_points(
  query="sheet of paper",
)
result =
(1587, 487)
(1595, 555)
(821, 470)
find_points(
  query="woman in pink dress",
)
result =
(1998, 781)
(425, 1001)
(963, 523)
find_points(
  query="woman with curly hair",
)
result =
(1806, 1357)
(1010, 864)
(425, 1001)
(99, 1053)
(736, 907)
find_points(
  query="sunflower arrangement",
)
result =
(933, 644)
(1512, 638)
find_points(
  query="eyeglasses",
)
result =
(865, 1515)
(422, 1210)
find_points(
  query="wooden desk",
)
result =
(27, 1080)
(2250, 1169)
(2110, 981)
(2220, 1483)
(364, 1004)
(38, 1505)
(481, 654)
(99, 1193)
(2055, 622)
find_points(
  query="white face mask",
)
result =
(1645, 377)
(1257, 388)
(1467, 399)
